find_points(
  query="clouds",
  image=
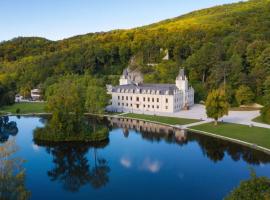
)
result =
(152, 166)
(147, 164)
(125, 162)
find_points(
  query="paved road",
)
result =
(198, 112)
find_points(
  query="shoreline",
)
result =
(241, 142)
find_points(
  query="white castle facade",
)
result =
(132, 95)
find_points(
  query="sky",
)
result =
(59, 19)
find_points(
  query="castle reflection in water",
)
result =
(149, 128)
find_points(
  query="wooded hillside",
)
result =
(229, 43)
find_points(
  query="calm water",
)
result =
(140, 161)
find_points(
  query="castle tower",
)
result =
(124, 79)
(181, 81)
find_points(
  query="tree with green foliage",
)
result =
(65, 100)
(223, 42)
(96, 99)
(244, 95)
(256, 188)
(216, 104)
(267, 91)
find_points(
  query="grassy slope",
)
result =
(161, 119)
(254, 135)
(259, 120)
(24, 108)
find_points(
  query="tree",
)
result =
(216, 104)
(65, 101)
(267, 91)
(244, 95)
(256, 188)
(96, 99)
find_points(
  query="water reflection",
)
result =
(150, 131)
(150, 165)
(12, 173)
(7, 128)
(73, 169)
(76, 165)
(215, 149)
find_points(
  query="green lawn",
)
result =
(259, 120)
(254, 135)
(161, 119)
(33, 107)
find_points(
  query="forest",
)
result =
(224, 45)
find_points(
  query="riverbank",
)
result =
(255, 136)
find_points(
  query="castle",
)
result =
(132, 95)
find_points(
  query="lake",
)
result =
(139, 161)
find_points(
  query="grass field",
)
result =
(161, 119)
(32, 107)
(259, 120)
(254, 135)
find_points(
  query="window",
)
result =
(153, 100)
(123, 104)
(130, 98)
(118, 104)
(122, 97)
(118, 97)
(127, 104)
(131, 105)
(148, 99)
(157, 107)
(137, 105)
(157, 99)
(166, 100)
(138, 99)
(153, 106)
(148, 106)
(166, 107)
(143, 105)
(143, 98)
(126, 97)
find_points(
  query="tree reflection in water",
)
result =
(72, 168)
(7, 129)
(12, 174)
(215, 149)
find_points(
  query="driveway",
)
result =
(198, 112)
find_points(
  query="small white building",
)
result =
(36, 94)
(18, 98)
(132, 95)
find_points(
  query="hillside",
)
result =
(229, 41)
